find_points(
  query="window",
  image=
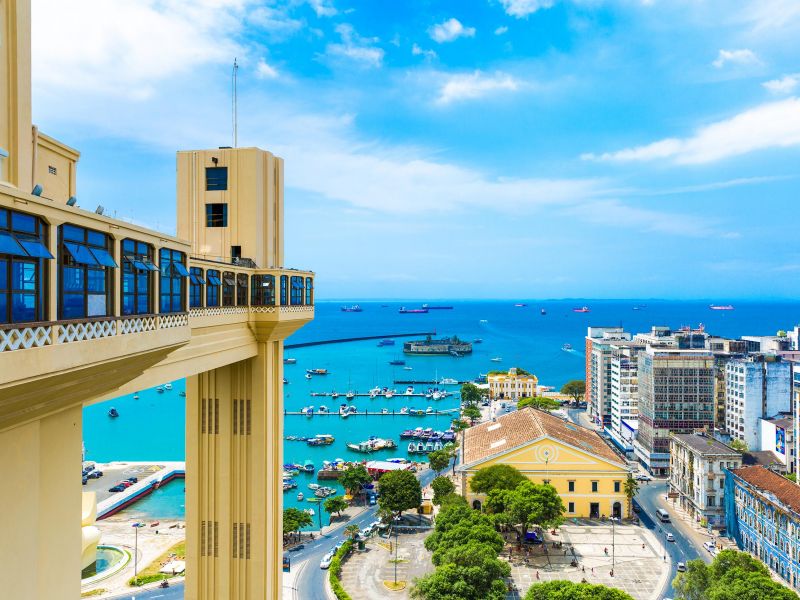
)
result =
(23, 256)
(137, 278)
(571, 486)
(263, 290)
(173, 280)
(594, 486)
(284, 286)
(309, 291)
(212, 288)
(571, 507)
(241, 289)
(617, 486)
(228, 288)
(216, 178)
(216, 215)
(297, 290)
(196, 283)
(85, 267)
(52, 170)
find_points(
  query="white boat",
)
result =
(409, 390)
(350, 395)
(484, 321)
(497, 359)
(343, 411)
(389, 394)
(335, 395)
(429, 447)
(136, 396)
(300, 496)
(313, 486)
(374, 392)
(308, 375)
(429, 395)
(404, 410)
(323, 410)
(437, 446)
(289, 361)
(160, 390)
(412, 447)
(448, 381)
(167, 386)
(407, 368)
(384, 411)
(429, 410)
(437, 395)
(308, 411)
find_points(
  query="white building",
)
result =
(777, 435)
(697, 475)
(756, 387)
(624, 395)
(513, 385)
(599, 346)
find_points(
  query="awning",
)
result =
(80, 254)
(103, 257)
(182, 271)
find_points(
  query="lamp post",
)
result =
(613, 549)
(136, 551)
(395, 554)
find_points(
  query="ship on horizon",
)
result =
(412, 311)
(582, 309)
(721, 306)
(353, 308)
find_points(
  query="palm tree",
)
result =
(351, 531)
(630, 489)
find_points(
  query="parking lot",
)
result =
(115, 472)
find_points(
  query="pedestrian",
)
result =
(537, 574)
(583, 569)
(565, 552)
(642, 546)
(592, 570)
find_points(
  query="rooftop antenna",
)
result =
(235, 107)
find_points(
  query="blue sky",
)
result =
(489, 148)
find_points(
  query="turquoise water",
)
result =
(152, 427)
(167, 502)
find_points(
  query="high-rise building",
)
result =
(676, 395)
(599, 342)
(756, 387)
(624, 395)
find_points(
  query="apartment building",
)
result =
(600, 342)
(624, 395)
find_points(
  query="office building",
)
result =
(599, 347)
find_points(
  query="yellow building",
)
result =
(93, 307)
(513, 385)
(587, 473)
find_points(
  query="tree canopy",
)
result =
(567, 590)
(732, 576)
(539, 402)
(496, 477)
(738, 445)
(453, 582)
(439, 460)
(335, 504)
(353, 477)
(442, 486)
(351, 531)
(471, 412)
(575, 389)
(470, 394)
(400, 490)
(295, 519)
(527, 504)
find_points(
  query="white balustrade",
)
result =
(170, 321)
(24, 338)
(91, 330)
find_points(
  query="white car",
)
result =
(670, 537)
(326, 561)
(711, 547)
(643, 477)
(681, 567)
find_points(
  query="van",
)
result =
(662, 515)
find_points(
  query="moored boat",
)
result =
(300, 496)
(112, 412)
(289, 361)
(582, 309)
(566, 347)
(352, 308)
(317, 371)
(308, 466)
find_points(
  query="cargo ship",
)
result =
(412, 311)
(721, 307)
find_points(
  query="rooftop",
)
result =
(528, 425)
(765, 458)
(765, 480)
(785, 422)
(703, 444)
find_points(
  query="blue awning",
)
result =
(104, 257)
(80, 254)
(9, 245)
(35, 248)
(197, 279)
(214, 280)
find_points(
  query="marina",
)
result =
(381, 413)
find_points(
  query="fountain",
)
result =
(97, 562)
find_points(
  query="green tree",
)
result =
(442, 486)
(459, 426)
(351, 531)
(353, 477)
(791, 477)
(335, 504)
(295, 519)
(439, 460)
(575, 389)
(527, 504)
(454, 582)
(452, 515)
(496, 477)
(540, 403)
(474, 554)
(740, 585)
(566, 590)
(399, 491)
(470, 394)
(464, 533)
(630, 488)
(738, 445)
(471, 412)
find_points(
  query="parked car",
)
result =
(125, 484)
(326, 561)
(296, 548)
(95, 475)
(681, 567)
(88, 468)
(116, 488)
(670, 537)
(85, 479)
(133, 479)
(643, 477)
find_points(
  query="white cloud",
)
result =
(467, 86)
(323, 8)
(355, 48)
(770, 125)
(416, 50)
(743, 57)
(450, 30)
(522, 8)
(785, 85)
(277, 23)
(614, 213)
(130, 46)
(265, 71)
(501, 30)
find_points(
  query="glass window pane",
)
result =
(164, 304)
(143, 281)
(72, 306)
(95, 280)
(128, 305)
(23, 307)
(72, 278)
(180, 269)
(23, 222)
(96, 238)
(23, 276)
(3, 277)
(142, 304)
(3, 225)
(96, 305)
(9, 245)
(35, 248)
(70, 232)
(128, 247)
(104, 257)
(80, 254)
(3, 308)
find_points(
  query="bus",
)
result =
(662, 515)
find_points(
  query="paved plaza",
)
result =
(639, 566)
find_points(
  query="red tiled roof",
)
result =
(764, 479)
(527, 425)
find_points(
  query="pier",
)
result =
(387, 336)
(372, 413)
(382, 395)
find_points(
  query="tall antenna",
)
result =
(235, 106)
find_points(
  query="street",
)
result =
(173, 592)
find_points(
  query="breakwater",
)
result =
(387, 336)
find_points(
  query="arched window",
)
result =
(476, 504)
(196, 283)
(297, 290)
(309, 291)
(284, 290)
(85, 263)
(23, 265)
(137, 277)
(212, 287)
(241, 289)
(172, 285)
(228, 288)
(263, 290)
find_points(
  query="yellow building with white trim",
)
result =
(586, 472)
(513, 385)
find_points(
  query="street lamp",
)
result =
(613, 549)
(136, 527)
(395, 554)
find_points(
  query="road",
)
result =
(652, 496)
(173, 592)
(310, 580)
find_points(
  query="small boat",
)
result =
(497, 359)
(136, 396)
(285, 381)
(313, 486)
(160, 389)
(438, 445)
(353, 308)
(343, 412)
(323, 410)
(448, 381)
(314, 500)
(321, 439)
(386, 342)
(384, 411)
(566, 347)
(389, 394)
(429, 410)
(408, 433)
(429, 307)
(335, 395)
(721, 307)
(483, 321)
(308, 466)
(352, 409)
(520, 305)
(167, 386)
(582, 309)
(350, 395)
(181, 393)
(412, 448)
(300, 496)
(317, 371)
(404, 410)
(409, 390)
(289, 361)
(308, 375)
(112, 412)
(542, 312)
(308, 411)
(477, 341)
(407, 368)
(397, 363)
(436, 395)
(429, 447)
(412, 311)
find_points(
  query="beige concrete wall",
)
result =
(50, 154)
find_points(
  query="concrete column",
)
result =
(234, 496)
(40, 508)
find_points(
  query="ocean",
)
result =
(152, 427)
